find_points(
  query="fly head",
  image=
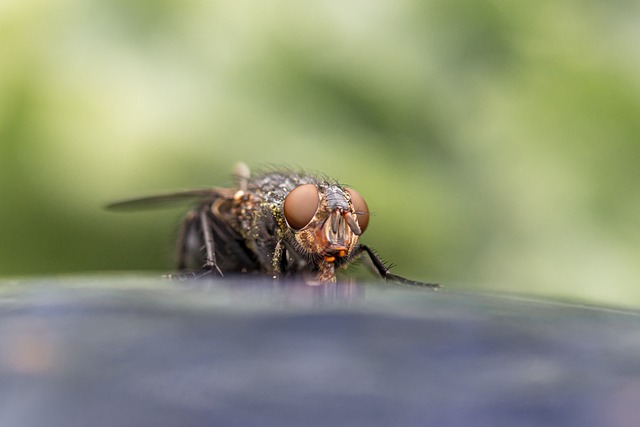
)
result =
(326, 220)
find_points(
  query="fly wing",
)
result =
(164, 200)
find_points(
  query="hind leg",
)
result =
(196, 230)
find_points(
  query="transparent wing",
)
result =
(168, 199)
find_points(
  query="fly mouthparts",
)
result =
(353, 225)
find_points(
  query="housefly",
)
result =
(276, 223)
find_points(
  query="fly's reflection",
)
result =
(238, 291)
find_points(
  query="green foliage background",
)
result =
(497, 142)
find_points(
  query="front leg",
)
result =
(279, 259)
(382, 270)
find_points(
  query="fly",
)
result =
(279, 223)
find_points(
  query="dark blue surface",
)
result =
(142, 352)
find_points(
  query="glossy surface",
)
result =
(146, 352)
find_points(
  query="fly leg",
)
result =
(383, 271)
(279, 260)
(210, 265)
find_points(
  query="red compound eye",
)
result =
(301, 205)
(362, 210)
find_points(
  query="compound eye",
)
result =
(362, 210)
(301, 205)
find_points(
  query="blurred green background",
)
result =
(496, 142)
